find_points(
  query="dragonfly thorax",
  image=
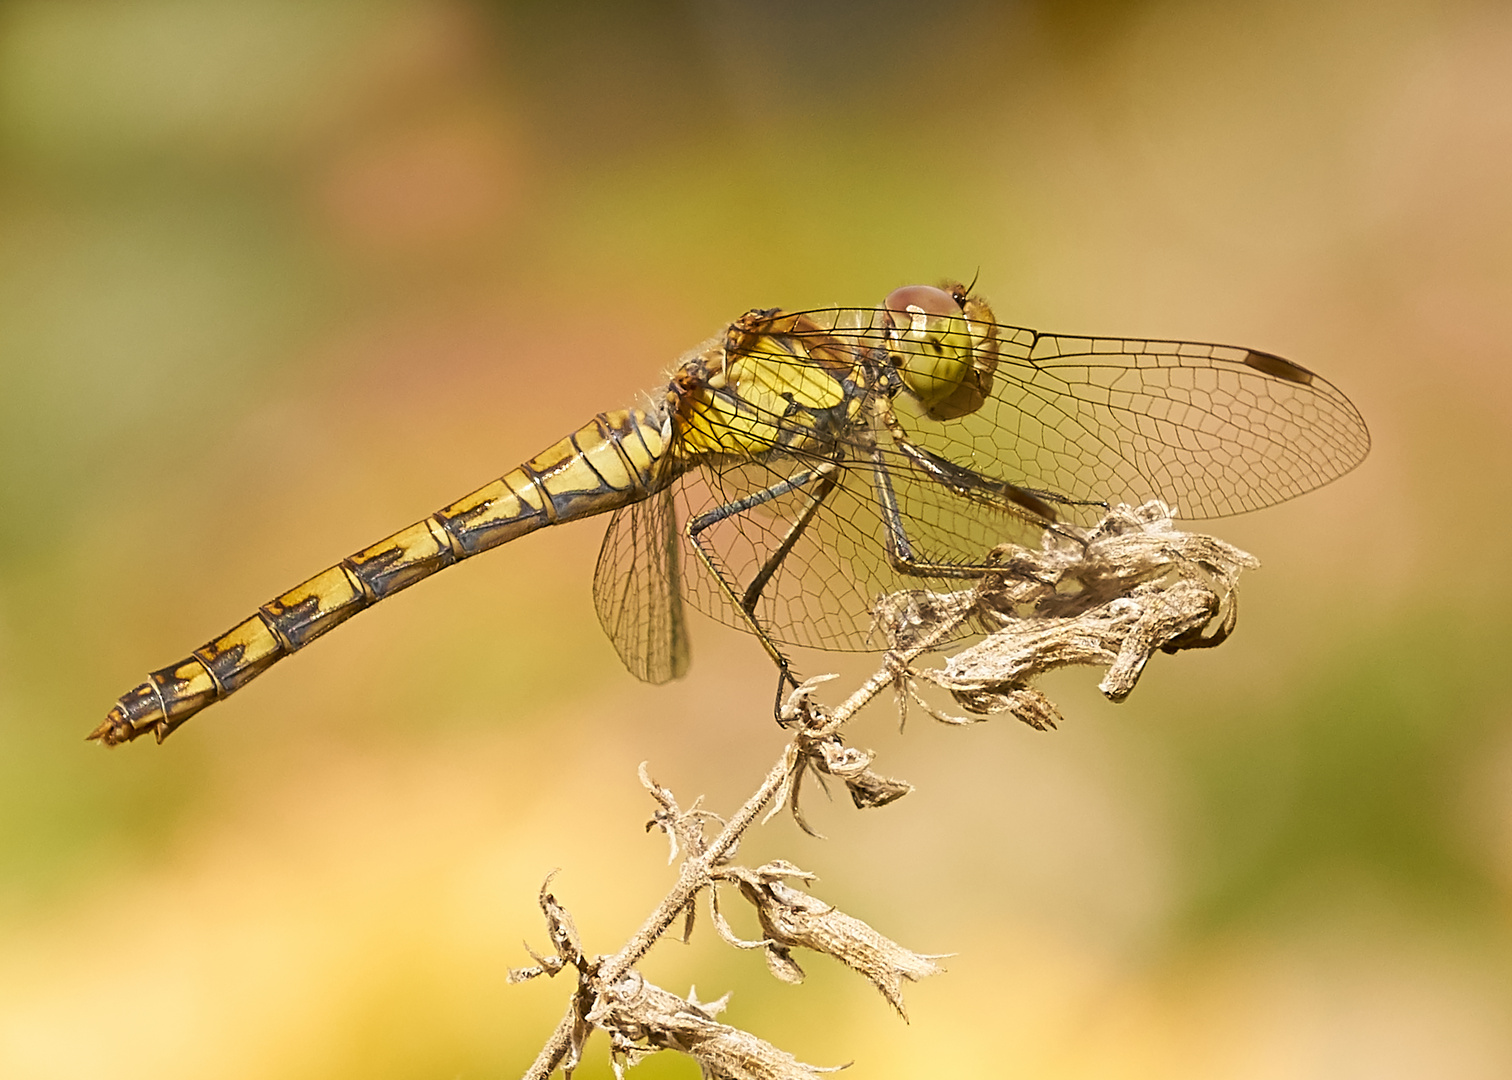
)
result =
(776, 382)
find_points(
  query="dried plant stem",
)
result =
(555, 1049)
(696, 870)
(1137, 586)
(691, 877)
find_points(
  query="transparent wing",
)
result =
(1210, 429)
(637, 593)
(822, 590)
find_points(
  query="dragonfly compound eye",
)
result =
(944, 355)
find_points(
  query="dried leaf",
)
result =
(853, 767)
(722, 926)
(564, 935)
(641, 1018)
(792, 918)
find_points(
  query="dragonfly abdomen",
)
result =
(610, 462)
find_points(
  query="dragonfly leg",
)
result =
(900, 551)
(745, 600)
(786, 681)
(758, 583)
(1030, 505)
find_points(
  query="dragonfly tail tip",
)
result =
(114, 730)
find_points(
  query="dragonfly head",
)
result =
(944, 345)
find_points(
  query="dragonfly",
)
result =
(801, 464)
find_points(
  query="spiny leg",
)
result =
(785, 677)
(763, 576)
(1032, 506)
(826, 474)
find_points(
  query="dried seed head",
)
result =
(791, 918)
(641, 1019)
(1109, 596)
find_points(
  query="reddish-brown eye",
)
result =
(926, 298)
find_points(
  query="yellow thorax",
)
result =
(770, 370)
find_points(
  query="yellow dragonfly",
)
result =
(801, 464)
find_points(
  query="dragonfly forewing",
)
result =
(1211, 429)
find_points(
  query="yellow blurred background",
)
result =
(280, 276)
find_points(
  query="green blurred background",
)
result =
(280, 276)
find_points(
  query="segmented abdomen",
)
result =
(614, 460)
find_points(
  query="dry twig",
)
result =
(1111, 596)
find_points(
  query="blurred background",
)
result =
(278, 277)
